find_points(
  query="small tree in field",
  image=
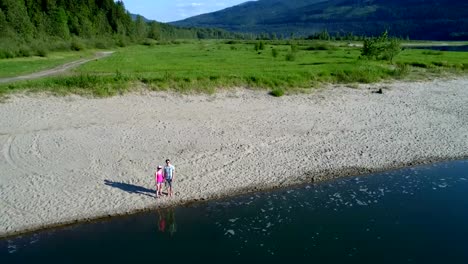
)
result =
(381, 48)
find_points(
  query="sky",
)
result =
(173, 10)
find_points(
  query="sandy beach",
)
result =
(68, 159)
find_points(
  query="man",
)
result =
(169, 172)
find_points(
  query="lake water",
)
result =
(412, 215)
(461, 48)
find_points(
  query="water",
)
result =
(413, 215)
(460, 48)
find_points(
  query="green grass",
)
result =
(205, 66)
(278, 92)
(22, 66)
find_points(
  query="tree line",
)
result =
(35, 27)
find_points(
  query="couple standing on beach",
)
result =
(165, 175)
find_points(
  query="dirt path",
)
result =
(60, 69)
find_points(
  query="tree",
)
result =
(381, 48)
(141, 28)
(154, 30)
(17, 17)
(3, 23)
(59, 24)
(392, 49)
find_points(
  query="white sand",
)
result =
(58, 153)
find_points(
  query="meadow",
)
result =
(209, 65)
(24, 65)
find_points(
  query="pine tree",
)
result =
(17, 17)
(154, 31)
(59, 24)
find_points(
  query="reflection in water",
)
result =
(166, 220)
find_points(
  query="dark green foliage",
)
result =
(278, 92)
(274, 52)
(440, 64)
(294, 48)
(24, 51)
(432, 52)
(17, 18)
(58, 25)
(77, 44)
(41, 52)
(419, 64)
(232, 42)
(259, 45)
(381, 48)
(291, 56)
(321, 46)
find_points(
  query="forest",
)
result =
(36, 27)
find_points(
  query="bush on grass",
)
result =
(77, 44)
(278, 92)
(291, 56)
(274, 53)
(401, 70)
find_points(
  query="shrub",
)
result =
(321, 46)
(8, 48)
(401, 70)
(294, 48)
(77, 44)
(121, 41)
(274, 53)
(6, 54)
(432, 52)
(24, 51)
(149, 42)
(291, 56)
(60, 46)
(419, 64)
(259, 45)
(102, 44)
(42, 52)
(381, 48)
(278, 92)
(440, 63)
(120, 77)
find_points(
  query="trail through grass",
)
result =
(22, 66)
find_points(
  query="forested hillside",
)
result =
(35, 27)
(416, 19)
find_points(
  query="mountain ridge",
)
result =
(417, 19)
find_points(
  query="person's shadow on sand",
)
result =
(130, 188)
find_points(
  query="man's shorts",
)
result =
(169, 182)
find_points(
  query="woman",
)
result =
(159, 181)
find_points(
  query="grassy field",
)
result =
(205, 66)
(22, 66)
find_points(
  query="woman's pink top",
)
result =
(159, 176)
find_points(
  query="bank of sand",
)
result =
(71, 158)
